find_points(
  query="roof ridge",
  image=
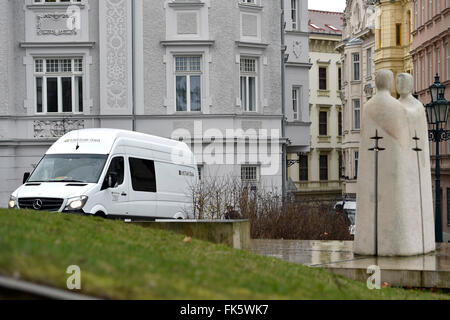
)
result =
(323, 11)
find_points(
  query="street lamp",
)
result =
(437, 115)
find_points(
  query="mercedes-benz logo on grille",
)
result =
(37, 204)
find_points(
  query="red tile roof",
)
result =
(326, 22)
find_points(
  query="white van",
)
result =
(113, 173)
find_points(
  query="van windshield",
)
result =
(85, 168)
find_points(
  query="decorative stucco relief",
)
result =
(55, 129)
(297, 48)
(55, 24)
(116, 56)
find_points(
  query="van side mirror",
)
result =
(110, 181)
(26, 175)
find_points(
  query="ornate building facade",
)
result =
(393, 38)
(358, 82)
(189, 70)
(316, 174)
(430, 56)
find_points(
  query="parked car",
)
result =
(348, 207)
(111, 173)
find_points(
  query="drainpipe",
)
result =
(133, 63)
(283, 105)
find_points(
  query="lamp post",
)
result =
(437, 114)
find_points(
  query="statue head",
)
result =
(404, 84)
(384, 80)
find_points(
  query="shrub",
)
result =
(271, 217)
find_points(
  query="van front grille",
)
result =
(41, 204)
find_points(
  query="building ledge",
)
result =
(323, 93)
(250, 7)
(298, 123)
(72, 44)
(55, 5)
(299, 65)
(297, 33)
(186, 4)
(257, 45)
(166, 43)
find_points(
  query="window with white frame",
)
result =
(249, 1)
(249, 174)
(356, 67)
(294, 14)
(59, 85)
(57, 1)
(296, 100)
(438, 6)
(356, 114)
(356, 164)
(188, 79)
(249, 76)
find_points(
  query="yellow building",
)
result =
(316, 175)
(393, 36)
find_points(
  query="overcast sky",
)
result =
(327, 5)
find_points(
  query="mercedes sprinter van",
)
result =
(112, 173)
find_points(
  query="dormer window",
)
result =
(315, 26)
(332, 28)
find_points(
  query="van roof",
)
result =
(101, 141)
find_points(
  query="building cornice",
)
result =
(297, 33)
(250, 7)
(186, 5)
(257, 45)
(299, 65)
(60, 5)
(167, 43)
(141, 117)
(72, 44)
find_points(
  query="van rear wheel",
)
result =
(100, 214)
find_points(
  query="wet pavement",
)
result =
(431, 270)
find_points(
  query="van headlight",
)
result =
(76, 203)
(12, 202)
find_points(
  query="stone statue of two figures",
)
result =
(394, 192)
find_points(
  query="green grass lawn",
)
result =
(123, 261)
